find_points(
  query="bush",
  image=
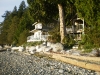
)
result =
(68, 41)
(87, 43)
(54, 38)
(91, 39)
(33, 43)
(55, 35)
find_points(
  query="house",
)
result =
(40, 33)
(77, 29)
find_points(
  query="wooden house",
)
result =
(40, 33)
(77, 29)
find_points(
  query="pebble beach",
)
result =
(18, 63)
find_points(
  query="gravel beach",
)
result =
(18, 63)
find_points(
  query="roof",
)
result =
(36, 23)
(79, 21)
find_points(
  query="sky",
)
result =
(8, 5)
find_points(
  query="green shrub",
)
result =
(33, 43)
(54, 38)
(87, 50)
(55, 34)
(68, 41)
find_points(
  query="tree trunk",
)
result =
(62, 22)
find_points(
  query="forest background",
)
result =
(17, 23)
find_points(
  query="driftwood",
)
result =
(78, 60)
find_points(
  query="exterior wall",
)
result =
(37, 37)
(38, 26)
(38, 34)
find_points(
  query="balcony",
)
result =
(41, 38)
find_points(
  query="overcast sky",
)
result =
(8, 5)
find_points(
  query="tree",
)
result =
(14, 24)
(14, 12)
(12, 29)
(89, 10)
(62, 22)
(6, 15)
(23, 37)
(21, 9)
(37, 6)
(5, 27)
(61, 4)
(39, 11)
(25, 23)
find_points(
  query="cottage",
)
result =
(77, 29)
(40, 33)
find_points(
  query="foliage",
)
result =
(17, 23)
(68, 41)
(91, 13)
(14, 25)
(43, 10)
(54, 38)
(33, 43)
(22, 38)
(5, 27)
(54, 34)
(21, 9)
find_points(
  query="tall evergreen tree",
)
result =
(5, 26)
(12, 29)
(14, 12)
(21, 9)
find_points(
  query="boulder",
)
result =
(95, 52)
(47, 49)
(63, 51)
(0, 47)
(31, 49)
(57, 47)
(20, 48)
(69, 51)
(40, 48)
(49, 44)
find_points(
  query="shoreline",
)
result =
(18, 63)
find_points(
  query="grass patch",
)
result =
(33, 43)
(87, 50)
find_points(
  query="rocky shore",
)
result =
(18, 63)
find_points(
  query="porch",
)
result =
(41, 38)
